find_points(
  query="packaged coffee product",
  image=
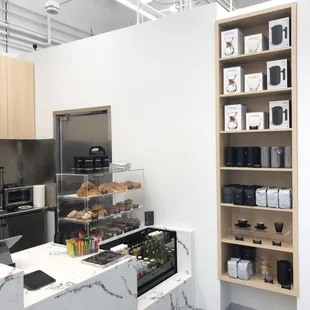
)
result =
(280, 114)
(228, 194)
(261, 196)
(278, 74)
(257, 120)
(265, 156)
(255, 82)
(249, 198)
(238, 195)
(288, 157)
(273, 197)
(285, 198)
(232, 267)
(245, 269)
(277, 156)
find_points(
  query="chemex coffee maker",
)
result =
(229, 49)
(231, 87)
(278, 34)
(279, 115)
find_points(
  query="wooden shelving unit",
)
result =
(253, 23)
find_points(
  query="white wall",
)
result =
(159, 79)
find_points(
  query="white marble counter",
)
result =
(77, 286)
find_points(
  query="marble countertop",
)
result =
(158, 292)
(52, 259)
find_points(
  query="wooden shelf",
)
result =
(256, 169)
(267, 243)
(274, 54)
(263, 93)
(229, 205)
(222, 132)
(228, 214)
(256, 282)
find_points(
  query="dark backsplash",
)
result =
(29, 162)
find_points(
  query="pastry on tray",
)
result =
(87, 185)
(129, 184)
(96, 207)
(93, 192)
(102, 213)
(136, 185)
(121, 206)
(72, 214)
(82, 192)
(128, 204)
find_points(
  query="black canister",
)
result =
(106, 161)
(230, 156)
(78, 162)
(253, 157)
(241, 156)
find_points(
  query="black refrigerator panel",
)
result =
(31, 226)
(141, 244)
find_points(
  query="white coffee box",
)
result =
(233, 80)
(232, 267)
(280, 114)
(235, 117)
(257, 120)
(232, 42)
(245, 269)
(273, 197)
(255, 82)
(279, 33)
(285, 198)
(278, 74)
(261, 196)
(255, 43)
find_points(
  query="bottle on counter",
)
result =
(153, 264)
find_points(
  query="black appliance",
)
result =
(162, 272)
(284, 272)
(15, 195)
(277, 115)
(241, 156)
(275, 75)
(230, 156)
(249, 198)
(278, 33)
(238, 195)
(253, 157)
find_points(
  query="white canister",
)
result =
(39, 195)
(273, 197)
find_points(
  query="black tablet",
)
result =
(37, 279)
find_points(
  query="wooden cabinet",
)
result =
(20, 99)
(3, 99)
(17, 115)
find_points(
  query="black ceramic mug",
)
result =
(277, 34)
(278, 226)
(275, 75)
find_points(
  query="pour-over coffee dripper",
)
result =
(253, 44)
(254, 83)
(231, 87)
(232, 123)
(229, 49)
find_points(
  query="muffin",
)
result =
(121, 206)
(128, 204)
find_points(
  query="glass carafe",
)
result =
(231, 87)
(229, 49)
(232, 123)
(263, 268)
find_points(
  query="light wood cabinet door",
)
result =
(20, 99)
(3, 99)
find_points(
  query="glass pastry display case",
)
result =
(156, 254)
(102, 205)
